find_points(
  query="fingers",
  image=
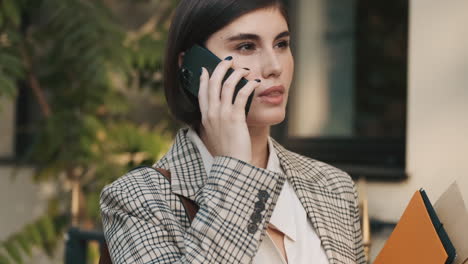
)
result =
(216, 81)
(216, 98)
(227, 91)
(243, 95)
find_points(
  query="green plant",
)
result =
(82, 63)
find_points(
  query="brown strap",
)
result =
(105, 257)
(191, 208)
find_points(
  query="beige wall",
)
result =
(21, 202)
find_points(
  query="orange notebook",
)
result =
(415, 239)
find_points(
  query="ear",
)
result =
(181, 57)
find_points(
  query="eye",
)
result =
(246, 46)
(283, 44)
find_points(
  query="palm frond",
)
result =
(42, 233)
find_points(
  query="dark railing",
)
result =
(77, 244)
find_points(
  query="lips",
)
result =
(272, 95)
(273, 91)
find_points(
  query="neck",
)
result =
(259, 141)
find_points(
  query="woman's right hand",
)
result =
(224, 126)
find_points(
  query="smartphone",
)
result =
(197, 57)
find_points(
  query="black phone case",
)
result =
(197, 57)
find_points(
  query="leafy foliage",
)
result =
(11, 67)
(82, 64)
(43, 233)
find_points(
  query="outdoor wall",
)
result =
(437, 136)
(21, 201)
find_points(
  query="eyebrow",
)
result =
(249, 36)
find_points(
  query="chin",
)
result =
(267, 117)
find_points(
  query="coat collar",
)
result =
(184, 154)
(307, 179)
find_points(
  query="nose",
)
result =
(271, 64)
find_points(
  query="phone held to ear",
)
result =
(197, 57)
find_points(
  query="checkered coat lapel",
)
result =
(326, 193)
(185, 163)
(330, 202)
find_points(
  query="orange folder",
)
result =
(415, 239)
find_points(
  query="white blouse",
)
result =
(302, 245)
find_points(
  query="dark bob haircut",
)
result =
(194, 22)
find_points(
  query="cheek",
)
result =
(290, 63)
(288, 69)
(245, 62)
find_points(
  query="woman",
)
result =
(258, 202)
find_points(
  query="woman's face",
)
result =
(259, 40)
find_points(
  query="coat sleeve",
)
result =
(140, 226)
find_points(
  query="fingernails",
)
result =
(246, 69)
(257, 80)
(228, 58)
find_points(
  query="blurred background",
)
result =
(380, 91)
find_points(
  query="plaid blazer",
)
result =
(144, 220)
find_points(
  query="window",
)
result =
(18, 117)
